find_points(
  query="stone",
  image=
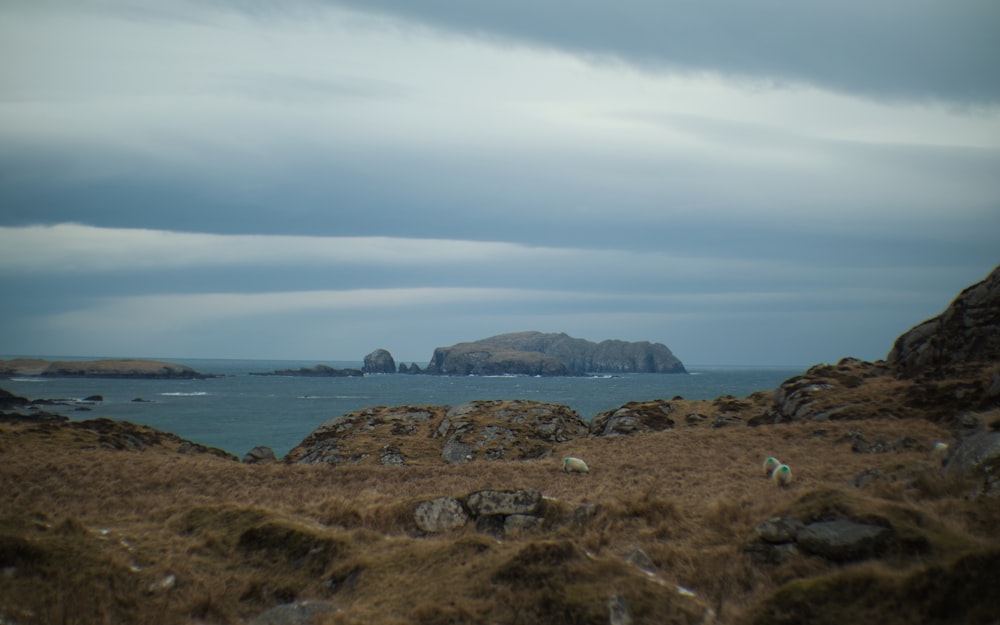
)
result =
(440, 515)
(391, 455)
(632, 418)
(618, 612)
(297, 613)
(514, 523)
(639, 558)
(778, 530)
(260, 454)
(490, 502)
(379, 361)
(843, 541)
(977, 456)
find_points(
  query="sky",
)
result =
(749, 182)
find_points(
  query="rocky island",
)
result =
(107, 368)
(429, 515)
(546, 354)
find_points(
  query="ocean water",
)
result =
(238, 411)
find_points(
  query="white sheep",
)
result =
(940, 451)
(769, 464)
(782, 475)
(575, 465)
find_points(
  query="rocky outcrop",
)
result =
(506, 429)
(132, 369)
(260, 454)
(402, 435)
(968, 331)
(977, 459)
(319, 371)
(296, 613)
(536, 353)
(634, 417)
(497, 512)
(379, 361)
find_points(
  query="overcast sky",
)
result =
(746, 181)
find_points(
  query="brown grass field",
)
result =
(90, 534)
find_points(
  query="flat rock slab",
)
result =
(843, 540)
(298, 613)
(492, 502)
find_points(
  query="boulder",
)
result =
(260, 454)
(977, 457)
(841, 540)
(633, 417)
(778, 530)
(440, 515)
(505, 502)
(379, 361)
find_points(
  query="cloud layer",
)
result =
(748, 182)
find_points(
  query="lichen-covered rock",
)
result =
(492, 502)
(440, 515)
(778, 530)
(977, 457)
(498, 429)
(632, 418)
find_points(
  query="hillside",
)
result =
(372, 520)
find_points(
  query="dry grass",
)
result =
(87, 533)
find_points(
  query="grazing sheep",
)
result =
(782, 475)
(940, 451)
(575, 465)
(769, 464)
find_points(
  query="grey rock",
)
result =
(977, 456)
(633, 417)
(391, 455)
(440, 515)
(639, 558)
(521, 523)
(490, 502)
(379, 361)
(618, 612)
(260, 454)
(778, 530)
(843, 540)
(455, 451)
(298, 613)
(763, 552)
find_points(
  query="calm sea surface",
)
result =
(238, 411)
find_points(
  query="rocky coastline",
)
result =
(463, 514)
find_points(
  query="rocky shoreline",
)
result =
(464, 514)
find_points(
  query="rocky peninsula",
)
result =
(462, 514)
(105, 368)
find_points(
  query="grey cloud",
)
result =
(892, 49)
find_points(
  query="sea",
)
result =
(236, 411)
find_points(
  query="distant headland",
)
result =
(111, 368)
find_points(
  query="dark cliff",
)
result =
(538, 353)
(967, 332)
